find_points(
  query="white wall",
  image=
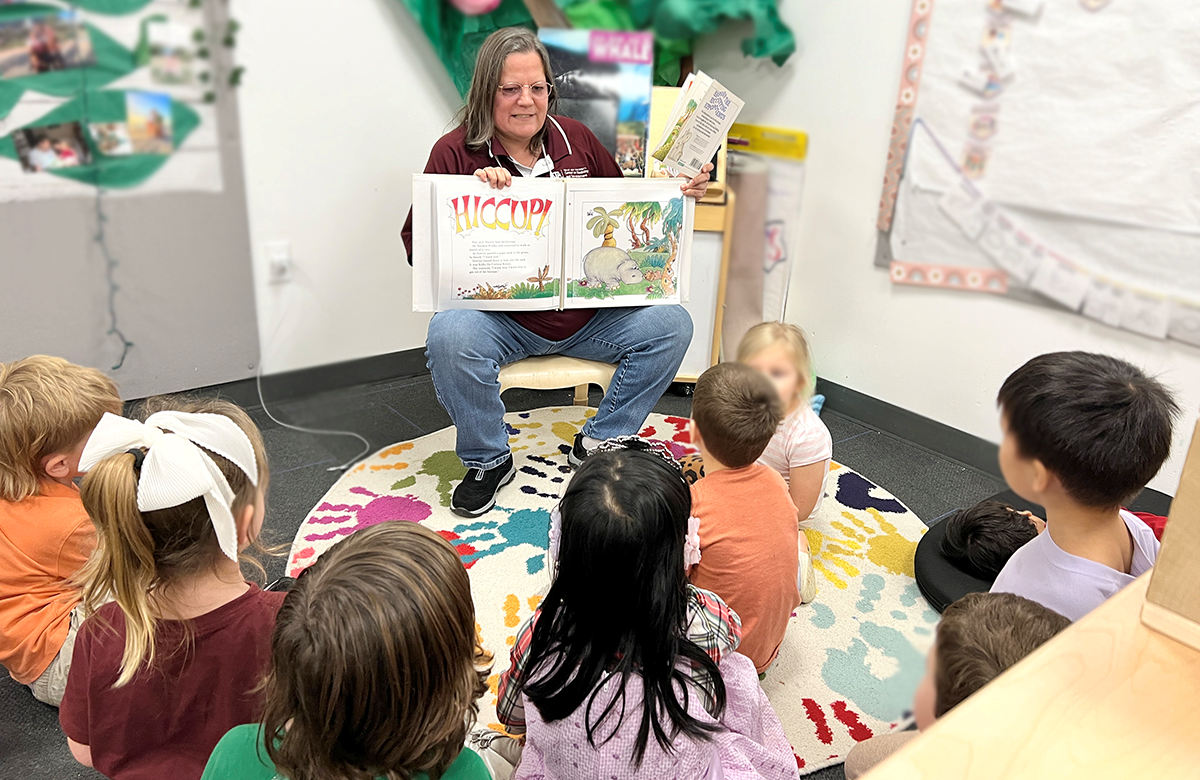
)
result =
(339, 108)
(938, 353)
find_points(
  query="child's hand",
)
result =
(499, 178)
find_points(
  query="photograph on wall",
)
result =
(148, 117)
(111, 138)
(42, 44)
(603, 78)
(171, 52)
(51, 147)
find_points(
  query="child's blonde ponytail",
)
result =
(122, 567)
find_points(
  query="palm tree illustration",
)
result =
(672, 225)
(648, 212)
(604, 222)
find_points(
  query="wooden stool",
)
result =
(550, 372)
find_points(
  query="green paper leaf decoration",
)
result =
(111, 7)
(104, 171)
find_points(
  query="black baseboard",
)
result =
(323, 379)
(937, 437)
(934, 436)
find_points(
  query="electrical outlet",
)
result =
(279, 261)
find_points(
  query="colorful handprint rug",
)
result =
(850, 662)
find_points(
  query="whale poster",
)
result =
(543, 244)
(603, 78)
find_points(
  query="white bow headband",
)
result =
(175, 470)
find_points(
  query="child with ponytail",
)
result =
(626, 670)
(174, 661)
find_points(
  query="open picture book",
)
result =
(545, 243)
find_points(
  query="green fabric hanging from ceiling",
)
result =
(456, 37)
(115, 172)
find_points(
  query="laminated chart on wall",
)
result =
(113, 94)
(1047, 150)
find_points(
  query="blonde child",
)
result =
(48, 407)
(173, 663)
(626, 670)
(375, 668)
(979, 637)
(801, 448)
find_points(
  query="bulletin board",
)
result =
(1047, 150)
(136, 260)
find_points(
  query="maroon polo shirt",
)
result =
(164, 724)
(577, 154)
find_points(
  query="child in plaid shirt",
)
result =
(630, 670)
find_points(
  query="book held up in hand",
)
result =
(543, 243)
(698, 125)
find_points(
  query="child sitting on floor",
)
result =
(375, 668)
(1083, 433)
(749, 536)
(170, 666)
(979, 636)
(48, 407)
(980, 539)
(626, 670)
(801, 448)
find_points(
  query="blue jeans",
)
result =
(466, 348)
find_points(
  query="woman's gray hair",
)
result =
(476, 115)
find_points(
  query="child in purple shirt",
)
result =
(617, 683)
(1083, 434)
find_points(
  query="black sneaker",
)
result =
(578, 452)
(476, 493)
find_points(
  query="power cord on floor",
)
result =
(316, 431)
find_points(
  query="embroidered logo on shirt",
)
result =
(574, 173)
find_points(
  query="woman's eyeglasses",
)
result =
(539, 91)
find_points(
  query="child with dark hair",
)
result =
(1083, 433)
(375, 668)
(749, 530)
(981, 539)
(626, 670)
(979, 637)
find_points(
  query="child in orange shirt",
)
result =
(749, 554)
(48, 408)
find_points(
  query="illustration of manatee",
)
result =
(609, 266)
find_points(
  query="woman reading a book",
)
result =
(508, 128)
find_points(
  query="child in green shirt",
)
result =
(376, 668)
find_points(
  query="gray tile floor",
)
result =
(33, 748)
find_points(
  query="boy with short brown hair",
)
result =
(749, 533)
(979, 637)
(48, 408)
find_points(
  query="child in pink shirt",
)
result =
(801, 449)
